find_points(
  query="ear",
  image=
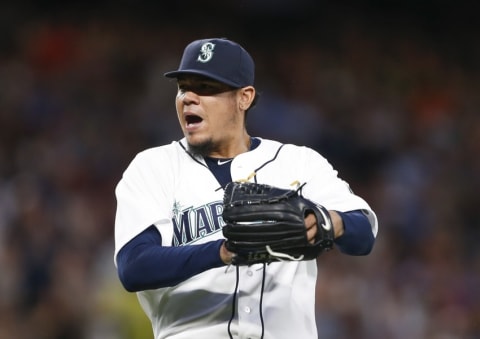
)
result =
(247, 94)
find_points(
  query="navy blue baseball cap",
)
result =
(219, 59)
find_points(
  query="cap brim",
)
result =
(175, 74)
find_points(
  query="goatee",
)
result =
(203, 149)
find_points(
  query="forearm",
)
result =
(145, 264)
(353, 232)
(337, 222)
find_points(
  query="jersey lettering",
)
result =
(191, 224)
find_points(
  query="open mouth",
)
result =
(193, 119)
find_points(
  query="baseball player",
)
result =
(169, 246)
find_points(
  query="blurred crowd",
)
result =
(394, 106)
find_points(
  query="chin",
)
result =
(202, 148)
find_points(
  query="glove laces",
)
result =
(283, 256)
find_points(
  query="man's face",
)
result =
(208, 114)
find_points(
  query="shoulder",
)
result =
(158, 158)
(268, 144)
(172, 148)
(159, 153)
(298, 157)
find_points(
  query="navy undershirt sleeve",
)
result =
(358, 238)
(143, 263)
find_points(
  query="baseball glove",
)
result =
(266, 224)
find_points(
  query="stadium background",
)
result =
(388, 91)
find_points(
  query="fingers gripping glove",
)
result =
(266, 224)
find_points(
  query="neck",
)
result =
(231, 150)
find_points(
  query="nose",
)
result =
(188, 97)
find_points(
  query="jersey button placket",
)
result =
(248, 302)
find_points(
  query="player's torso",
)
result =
(197, 195)
(197, 304)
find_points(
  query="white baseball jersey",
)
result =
(166, 187)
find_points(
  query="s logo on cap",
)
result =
(206, 52)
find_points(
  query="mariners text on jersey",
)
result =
(194, 223)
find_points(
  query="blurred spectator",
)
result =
(401, 85)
